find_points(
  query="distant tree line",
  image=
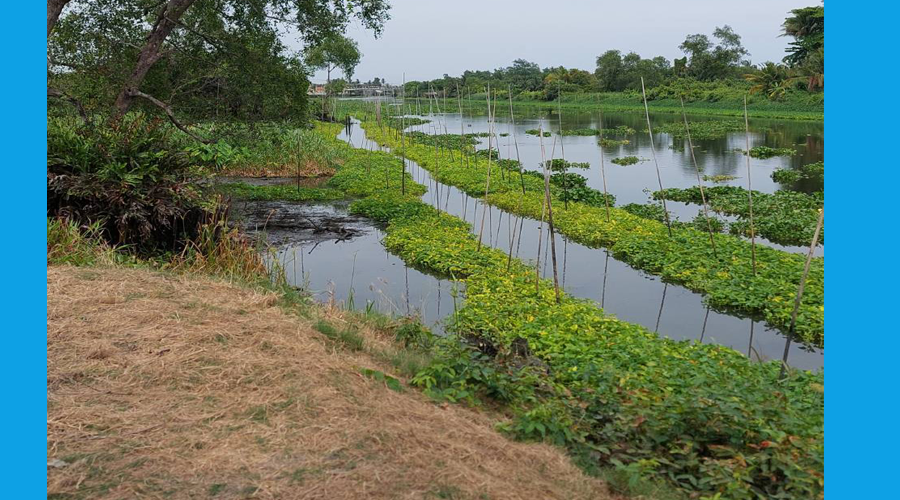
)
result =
(717, 58)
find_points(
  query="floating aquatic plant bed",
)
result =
(809, 172)
(605, 386)
(714, 129)
(609, 143)
(783, 217)
(718, 179)
(534, 131)
(763, 152)
(626, 160)
(686, 258)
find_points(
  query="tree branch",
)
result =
(171, 114)
(51, 92)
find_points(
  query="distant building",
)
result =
(316, 89)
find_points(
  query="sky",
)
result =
(427, 38)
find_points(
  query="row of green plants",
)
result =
(814, 172)
(702, 130)
(782, 217)
(763, 152)
(625, 160)
(702, 418)
(727, 278)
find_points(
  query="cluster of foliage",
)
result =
(686, 258)
(607, 132)
(610, 143)
(625, 160)
(265, 149)
(130, 178)
(719, 178)
(535, 131)
(573, 376)
(710, 129)
(811, 171)
(654, 211)
(783, 217)
(763, 152)
(718, 61)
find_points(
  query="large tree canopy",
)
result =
(202, 57)
(708, 61)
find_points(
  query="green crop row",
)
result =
(702, 417)
(783, 217)
(727, 279)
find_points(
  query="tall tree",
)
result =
(121, 42)
(708, 61)
(807, 27)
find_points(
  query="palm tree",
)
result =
(772, 80)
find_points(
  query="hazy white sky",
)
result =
(427, 38)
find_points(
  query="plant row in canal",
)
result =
(814, 172)
(686, 257)
(702, 417)
(783, 217)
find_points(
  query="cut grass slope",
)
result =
(176, 386)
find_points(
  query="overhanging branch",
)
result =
(171, 114)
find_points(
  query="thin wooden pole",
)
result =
(603, 168)
(512, 118)
(687, 130)
(655, 161)
(549, 204)
(487, 184)
(799, 297)
(750, 190)
(562, 146)
(403, 142)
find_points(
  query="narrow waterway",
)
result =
(629, 294)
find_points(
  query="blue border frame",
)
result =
(862, 341)
(24, 370)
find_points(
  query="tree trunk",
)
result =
(54, 9)
(150, 53)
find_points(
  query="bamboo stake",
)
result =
(750, 190)
(603, 169)
(687, 130)
(487, 184)
(655, 161)
(549, 205)
(562, 146)
(403, 143)
(799, 297)
(512, 119)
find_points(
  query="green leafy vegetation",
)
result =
(720, 178)
(534, 131)
(712, 129)
(686, 258)
(605, 387)
(763, 152)
(783, 217)
(810, 172)
(625, 160)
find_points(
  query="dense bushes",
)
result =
(129, 177)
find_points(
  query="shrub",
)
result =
(129, 178)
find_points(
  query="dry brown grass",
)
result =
(162, 385)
